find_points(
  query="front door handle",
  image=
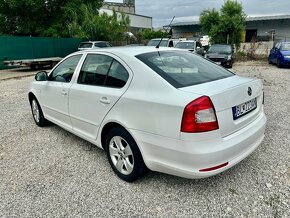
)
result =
(104, 100)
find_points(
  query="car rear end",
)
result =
(221, 54)
(222, 118)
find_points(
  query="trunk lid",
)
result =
(228, 93)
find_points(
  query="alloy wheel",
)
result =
(121, 155)
(35, 111)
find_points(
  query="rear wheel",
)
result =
(37, 113)
(124, 155)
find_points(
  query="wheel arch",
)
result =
(31, 96)
(106, 129)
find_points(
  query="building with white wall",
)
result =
(138, 22)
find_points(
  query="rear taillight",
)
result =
(199, 116)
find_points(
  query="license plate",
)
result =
(243, 109)
(218, 63)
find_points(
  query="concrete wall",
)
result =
(257, 48)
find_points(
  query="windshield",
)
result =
(185, 45)
(223, 49)
(154, 42)
(285, 47)
(183, 69)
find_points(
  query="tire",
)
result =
(269, 60)
(124, 155)
(37, 113)
(278, 63)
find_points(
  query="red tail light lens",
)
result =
(199, 116)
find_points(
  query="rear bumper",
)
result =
(224, 62)
(186, 158)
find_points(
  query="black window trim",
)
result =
(104, 85)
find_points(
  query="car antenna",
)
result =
(157, 46)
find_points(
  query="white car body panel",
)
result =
(151, 110)
(55, 105)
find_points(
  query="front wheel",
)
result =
(37, 113)
(279, 63)
(124, 155)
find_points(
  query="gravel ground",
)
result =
(48, 172)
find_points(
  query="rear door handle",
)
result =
(63, 92)
(104, 100)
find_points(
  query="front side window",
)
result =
(183, 69)
(64, 71)
(102, 70)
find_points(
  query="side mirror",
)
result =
(41, 76)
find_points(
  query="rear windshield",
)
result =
(155, 42)
(102, 44)
(86, 45)
(185, 45)
(183, 69)
(224, 49)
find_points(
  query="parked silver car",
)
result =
(191, 45)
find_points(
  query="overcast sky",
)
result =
(162, 11)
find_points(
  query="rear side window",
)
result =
(183, 69)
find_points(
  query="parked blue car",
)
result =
(280, 54)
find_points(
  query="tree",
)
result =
(88, 24)
(41, 17)
(151, 34)
(225, 26)
(209, 19)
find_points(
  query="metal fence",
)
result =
(15, 48)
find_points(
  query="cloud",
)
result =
(162, 11)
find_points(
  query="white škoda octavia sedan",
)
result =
(164, 109)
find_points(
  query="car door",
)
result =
(55, 93)
(274, 53)
(101, 82)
